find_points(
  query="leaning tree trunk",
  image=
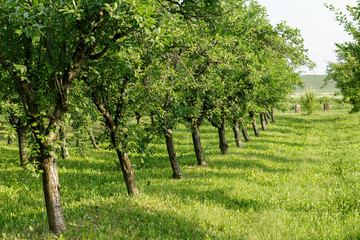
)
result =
(172, 154)
(263, 121)
(128, 173)
(272, 115)
(222, 139)
(244, 131)
(92, 139)
(267, 118)
(197, 144)
(21, 133)
(255, 127)
(237, 133)
(52, 195)
(64, 149)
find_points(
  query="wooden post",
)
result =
(326, 106)
(297, 108)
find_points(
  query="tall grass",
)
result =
(300, 180)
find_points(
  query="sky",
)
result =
(316, 23)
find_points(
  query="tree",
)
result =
(44, 47)
(345, 73)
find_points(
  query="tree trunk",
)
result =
(128, 173)
(10, 139)
(138, 120)
(267, 117)
(64, 149)
(52, 195)
(255, 127)
(21, 133)
(197, 144)
(244, 131)
(263, 121)
(222, 139)
(92, 139)
(237, 133)
(272, 115)
(172, 154)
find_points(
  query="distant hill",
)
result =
(316, 82)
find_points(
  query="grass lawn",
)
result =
(299, 180)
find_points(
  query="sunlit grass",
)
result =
(299, 180)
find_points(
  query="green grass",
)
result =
(299, 180)
(316, 82)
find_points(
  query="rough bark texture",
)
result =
(92, 139)
(127, 172)
(263, 121)
(255, 127)
(172, 154)
(237, 133)
(52, 195)
(223, 145)
(244, 131)
(272, 115)
(197, 144)
(64, 149)
(21, 133)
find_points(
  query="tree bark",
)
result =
(267, 117)
(272, 115)
(127, 172)
(177, 174)
(21, 133)
(263, 121)
(254, 124)
(64, 149)
(237, 133)
(52, 195)
(244, 131)
(92, 139)
(10, 140)
(197, 144)
(222, 139)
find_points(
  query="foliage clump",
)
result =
(308, 101)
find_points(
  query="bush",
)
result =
(308, 101)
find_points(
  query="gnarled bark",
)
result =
(222, 139)
(177, 174)
(197, 144)
(237, 133)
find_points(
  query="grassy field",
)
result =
(316, 82)
(299, 180)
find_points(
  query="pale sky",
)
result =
(316, 23)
